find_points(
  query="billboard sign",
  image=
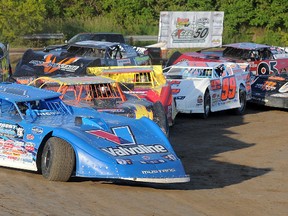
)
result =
(191, 29)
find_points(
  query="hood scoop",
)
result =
(93, 122)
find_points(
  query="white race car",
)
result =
(204, 87)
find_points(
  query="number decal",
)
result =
(201, 33)
(228, 88)
(264, 69)
(272, 66)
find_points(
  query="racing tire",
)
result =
(207, 105)
(160, 118)
(243, 102)
(57, 160)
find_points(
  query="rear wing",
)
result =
(81, 88)
(138, 75)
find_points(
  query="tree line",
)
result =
(261, 21)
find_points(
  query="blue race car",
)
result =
(39, 132)
(270, 90)
(75, 59)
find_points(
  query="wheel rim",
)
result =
(47, 158)
(207, 105)
(242, 102)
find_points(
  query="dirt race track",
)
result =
(238, 167)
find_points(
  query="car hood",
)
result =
(106, 130)
(39, 63)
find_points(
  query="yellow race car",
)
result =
(144, 81)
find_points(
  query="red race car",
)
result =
(263, 59)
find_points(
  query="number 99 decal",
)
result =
(228, 88)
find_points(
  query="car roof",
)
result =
(98, 33)
(247, 46)
(17, 92)
(200, 64)
(94, 44)
(141, 69)
(83, 80)
(205, 65)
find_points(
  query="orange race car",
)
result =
(105, 95)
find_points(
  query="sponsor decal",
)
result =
(30, 147)
(170, 157)
(269, 86)
(152, 161)
(11, 130)
(276, 78)
(187, 30)
(136, 150)
(50, 65)
(200, 99)
(175, 82)
(30, 137)
(123, 62)
(37, 130)
(124, 161)
(136, 92)
(145, 157)
(158, 171)
(121, 135)
(215, 84)
(125, 133)
(16, 150)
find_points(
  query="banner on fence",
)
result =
(191, 29)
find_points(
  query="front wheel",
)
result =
(160, 117)
(57, 160)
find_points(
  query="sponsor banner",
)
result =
(183, 29)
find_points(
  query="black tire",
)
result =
(58, 160)
(243, 102)
(206, 105)
(160, 117)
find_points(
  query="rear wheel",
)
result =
(242, 100)
(207, 105)
(58, 160)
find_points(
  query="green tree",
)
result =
(130, 14)
(72, 9)
(271, 14)
(237, 15)
(18, 18)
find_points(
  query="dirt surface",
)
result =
(238, 166)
